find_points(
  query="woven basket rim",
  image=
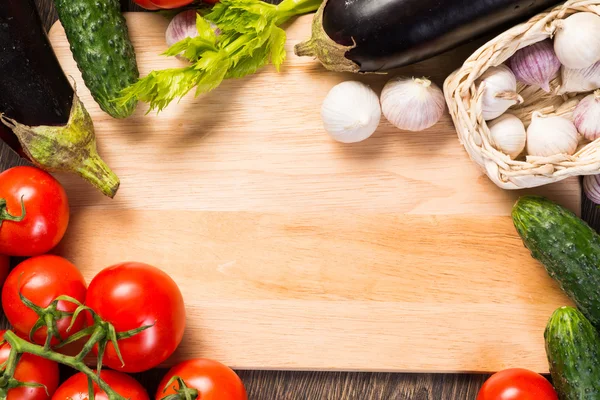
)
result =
(464, 103)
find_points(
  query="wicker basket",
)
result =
(464, 103)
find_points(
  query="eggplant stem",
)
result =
(94, 170)
(331, 54)
(305, 49)
(69, 148)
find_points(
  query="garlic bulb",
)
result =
(591, 187)
(351, 112)
(580, 80)
(587, 116)
(536, 65)
(577, 40)
(508, 135)
(551, 135)
(500, 91)
(412, 104)
(181, 27)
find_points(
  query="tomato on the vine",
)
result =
(31, 368)
(212, 380)
(517, 384)
(133, 295)
(76, 387)
(34, 212)
(41, 280)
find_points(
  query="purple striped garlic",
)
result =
(591, 187)
(587, 116)
(536, 65)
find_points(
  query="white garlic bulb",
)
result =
(412, 104)
(500, 91)
(577, 40)
(587, 116)
(551, 135)
(351, 112)
(508, 135)
(580, 80)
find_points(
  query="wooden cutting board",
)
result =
(296, 252)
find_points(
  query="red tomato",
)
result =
(31, 369)
(132, 295)
(213, 380)
(168, 4)
(211, 1)
(46, 212)
(4, 268)
(517, 384)
(147, 4)
(76, 387)
(42, 279)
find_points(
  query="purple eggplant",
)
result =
(40, 113)
(379, 35)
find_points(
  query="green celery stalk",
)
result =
(250, 38)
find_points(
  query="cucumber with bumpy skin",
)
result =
(99, 39)
(573, 350)
(567, 246)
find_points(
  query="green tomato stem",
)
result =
(19, 346)
(11, 364)
(91, 393)
(98, 335)
(5, 215)
(183, 392)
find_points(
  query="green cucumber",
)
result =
(99, 39)
(568, 248)
(572, 347)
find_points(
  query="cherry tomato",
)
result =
(31, 369)
(168, 4)
(133, 295)
(4, 268)
(46, 212)
(517, 384)
(76, 387)
(147, 4)
(42, 279)
(213, 380)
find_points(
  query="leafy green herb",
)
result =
(250, 38)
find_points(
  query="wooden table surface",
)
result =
(280, 385)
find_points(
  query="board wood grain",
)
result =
(296, 252)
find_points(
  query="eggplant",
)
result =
(379, 35)
(38, 103)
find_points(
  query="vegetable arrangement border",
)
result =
(464, 101)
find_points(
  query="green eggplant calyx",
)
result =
(331, 54)
(6, 216)
(68, 148)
